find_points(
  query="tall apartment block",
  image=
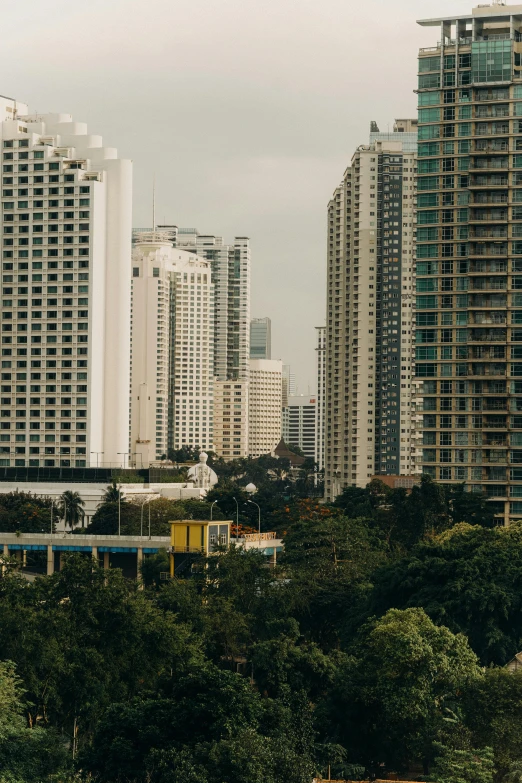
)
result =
(321, 390)
(172, 363)
(264, 406)
(469, 267)
(66, 216)
(230, 264)
(369, 312)
(261, 338)
(300, 424)
(289, 384)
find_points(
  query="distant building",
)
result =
(172, 350)
(260, 338)
(288, 384)
(321, 396)
(371, 228)
(299, 424)
(264, 406)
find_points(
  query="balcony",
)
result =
(488, 181)
(487, 232)
(489, 164)
(489, 318)
(487, 266)
(489, 198)
(488, 284)
(489, 216)
(488, 249)
(487, 336)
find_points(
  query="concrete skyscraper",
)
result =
(260, 338)
(172, 350)
(264, 406)
(230, 265)
(66, 214)
(321, 394)
(369, 312)
(300, 424)
(469, 255)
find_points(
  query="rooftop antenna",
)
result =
(154, 203)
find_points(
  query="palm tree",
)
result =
(112, 494)
(71, 508)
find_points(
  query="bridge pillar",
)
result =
(6, 555)
(139, 561)
(50, 560)
(106, 564)
(94, 554)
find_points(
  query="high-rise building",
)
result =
(172, 350)
(230, 265)
(321, 392)
(288, 387)
(260, 338)
(264, 406)
(469, 255)
(369, 312)
(299, 424)
(66, 214)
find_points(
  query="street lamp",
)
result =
(237, 518)
(97, 456)
(123, 454)
(251, 489)
(258, 515)
(212, 508)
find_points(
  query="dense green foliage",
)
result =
(377, 645)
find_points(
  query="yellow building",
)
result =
(189, 537)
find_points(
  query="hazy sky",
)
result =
(247, 110)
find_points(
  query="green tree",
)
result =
(394, 696)
(493, 713)
(26, 754)
(467, 578)
(463, 766)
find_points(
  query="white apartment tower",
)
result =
(370, 286)
(264, 406)
(321, 392)
(172, 350)
(230, 265)
(66, 216)
(299, 424)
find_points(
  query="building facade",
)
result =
(289, 384)
(260, 338)
(321, 393)
(369, 313)
(469, 255)
(300, 424)
(230, 265)
(172, 350)
(264, 406)
(66, 215)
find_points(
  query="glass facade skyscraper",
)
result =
(468, 347)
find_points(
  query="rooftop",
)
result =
(492, 12)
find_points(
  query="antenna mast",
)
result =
(154, 203)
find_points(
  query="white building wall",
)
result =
(264, 409)
(172, 350)
(66, 213)
(299, 423)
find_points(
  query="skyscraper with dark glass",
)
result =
(469, 255)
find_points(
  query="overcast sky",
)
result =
(247, 110)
